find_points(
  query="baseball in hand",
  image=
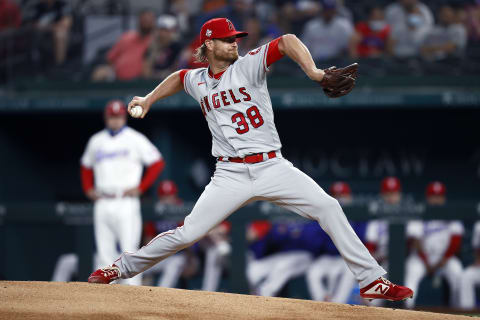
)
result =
(136, 111)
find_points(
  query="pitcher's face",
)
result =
(225, 49)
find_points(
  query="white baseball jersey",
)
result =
(377, 232)
(237, 106)
(118, 160)
(434, 236)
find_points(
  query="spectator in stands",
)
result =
(343, 11)
(472, 20)
(183, 10)
(410, 21)
(236, 11)
(126, 58)
(52, 18)
(163, 53)
(328, 36)
(10, 15)
(255, 37)
(187, 59)
(447, 39)
(292, 15)
(371, 36)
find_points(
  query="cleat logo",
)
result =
(382, 288)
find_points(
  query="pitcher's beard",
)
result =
(232, 57)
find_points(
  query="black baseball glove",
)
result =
(338, 82)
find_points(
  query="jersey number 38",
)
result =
(253, 114)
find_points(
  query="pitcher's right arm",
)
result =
(169, 86)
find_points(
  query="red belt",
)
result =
(253, 158)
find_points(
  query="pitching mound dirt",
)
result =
(55, 300)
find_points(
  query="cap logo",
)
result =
(230, 24)
(208, 33)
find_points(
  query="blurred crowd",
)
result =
(125, 40)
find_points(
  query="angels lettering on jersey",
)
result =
(236, 103)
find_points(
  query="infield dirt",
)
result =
(76, 300)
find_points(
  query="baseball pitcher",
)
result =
(233, 96)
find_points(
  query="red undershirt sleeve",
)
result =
(455, 242)
(86, 175)
(423, 256)
(151, 174)
(371, 247)
(183, 72)
(273, 53)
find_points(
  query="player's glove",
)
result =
(338, 82)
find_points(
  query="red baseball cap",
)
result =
(390, 184)
(219, 28)
(340, 188)
(115, 108)
(167, 188)
(261, 228)
(435, 188)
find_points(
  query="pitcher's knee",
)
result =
(189, 238)
(328, 206)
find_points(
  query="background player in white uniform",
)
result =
(377, 230)
(233, 96)
(66, 267)
(435, 244)
(217, 252)
(111, 176)
(328, 277)
(377, 236)
(278, 256)
(471, 277)
(170, 269)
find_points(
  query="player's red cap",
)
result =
(340, 188)
(115, 108)
(167, 188)
(261, 228)
(390, 184)
(219, 28)
(435, 188)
